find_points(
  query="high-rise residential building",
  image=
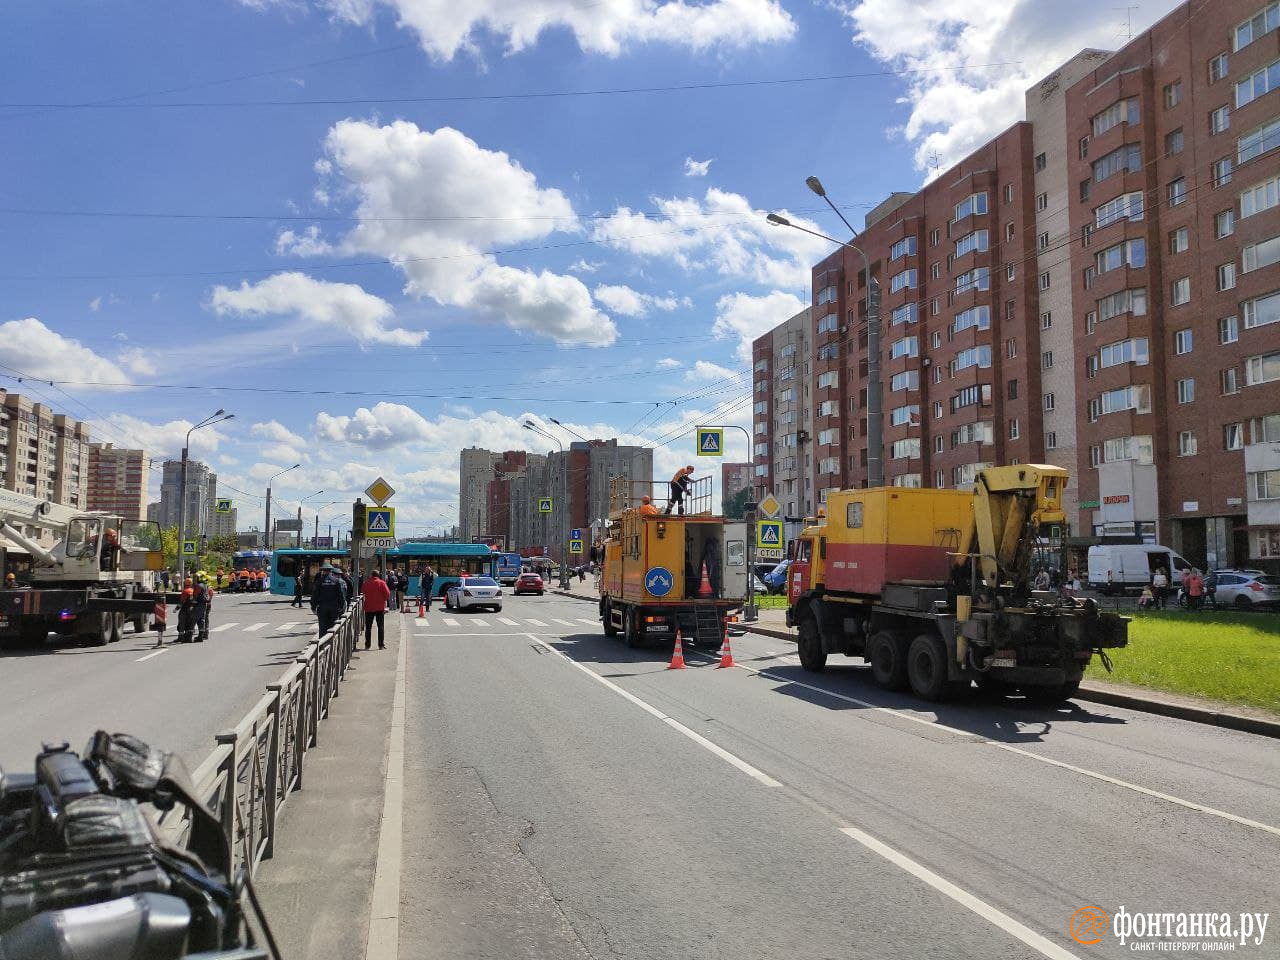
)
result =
(1174, 177)
(202, 492)
(498, 493)
(43, 454)
(475, 470)
(224, 524)
(783, 416)
(734, 478)
(118, 480)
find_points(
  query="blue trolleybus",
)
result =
(449, 561)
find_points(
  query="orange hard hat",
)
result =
(10, 576)
(188, 592)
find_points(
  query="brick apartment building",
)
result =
(118, 481)
(783, 414)
(1094, 287)
(734, 478)
(43, 454)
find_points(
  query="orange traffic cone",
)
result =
(422, 608)
(726, 655)
(704, 589)
(677, 655)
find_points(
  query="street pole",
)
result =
(266, 527)
(217, 417)
(564, 502)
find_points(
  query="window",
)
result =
(935, 271)
(937, 409)
(1046, 321)
(1180, 292)
(1127, 206)
(979, 317)
(827, 437)
(1132, 253)
(1258, 141)
(1219, 120)
(971, 397)
(1261, 196)
(1265, 429)
(902, 416)
(936, 339)
(829, 351)
(1086, 234)
(1095, 456)
(1186, 444)
(1042, 201)
(1011, 348)
(1257, 83)
(1220, 172)
(1122, 111)
(1126, 301)
(1224, 224)
(1014, 431)
(975, 203)
(1260, 254)
(1228, 330)
(1217, 68)
(1187, 390)
(904, 280)
(1233, 436)
(1264, 485)
(1044, 280)
(761, 407)
(1009, 232)
(1084, 148)
(1041, 162)
(935, 237)
(1051, 441)
(1182, 342)
(1230, 381)
(1012, 390)
(1042, 242)
(1134, 351)
(1084, 188)
(1173, 142)
(1227, 274)
(1261, 311)
(937, 373)
(1046, 360)
(1257, 26)
(1127, 448)
(1048, 402)
(908, 449)
(972, 241)
(787, 395)
(906, 247)
(1126, 398)
(761, 366)
(1179, 240)
(829, 324)
(977, 279)
(937, 444)
(906, 347)
(1127, 157)
(907, 313)
(827, 295)
(1010, 272)
(908, 380)
(935, 307)
(1008, 193)
(829, 465)
(828, 379)
(1172, 94)
(979, 356)
(1178, 192)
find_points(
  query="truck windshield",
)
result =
(82, 538)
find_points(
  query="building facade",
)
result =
(117, 481)
(202, 492)
(734, 478)
(475, 470)
(783, 414)
(43, 454)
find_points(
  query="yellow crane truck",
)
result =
(933, 588)
(652, 583)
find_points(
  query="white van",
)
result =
(1115, 568)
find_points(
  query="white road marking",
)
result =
(1094, 774)
(254, 628)
(150, 655)
(1035, 941)
(285, 626)
(478, 622)
(535, 623)
(564, 623)
(588, 622)
(509, 623)
(697, 738)
(223, 626)
(383, 942)
(450, 623)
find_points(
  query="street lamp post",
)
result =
(567, 430)
(300, 503)
(218, 416)
(875, 425)
(266, 527)
(564, 502)
(316, 536)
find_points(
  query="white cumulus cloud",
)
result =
(274, 431)
(38, 352)
(341, 306)
(954, 110)
(631, 303)
(696, 168)
(706, 370)
(161, 441)
(746, 317)
(669, 363)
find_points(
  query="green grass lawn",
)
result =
(1231, 657)
(776, 602)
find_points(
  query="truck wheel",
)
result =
(888, 659)
(140, 624)
(117, 627)
(101, 629)
(810, 646)
(606, 616)
(927, 667)
(630, 632)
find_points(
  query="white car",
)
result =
(474, 592)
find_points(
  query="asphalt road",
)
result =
(176, 697)
(566, 797)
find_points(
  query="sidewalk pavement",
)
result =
(317, 890)
(772, 623)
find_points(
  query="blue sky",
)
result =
(429, 253)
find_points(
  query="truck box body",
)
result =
(894, 535)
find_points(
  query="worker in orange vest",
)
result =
(647, 509)
(679, 488)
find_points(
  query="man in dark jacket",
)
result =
(328, 598)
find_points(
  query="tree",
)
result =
(735, 505)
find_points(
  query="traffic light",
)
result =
(357, 517)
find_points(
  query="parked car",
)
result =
(776, 579)
(471, 592)
(529, 583)
(1247, 589)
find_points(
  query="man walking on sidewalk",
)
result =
(376, 594)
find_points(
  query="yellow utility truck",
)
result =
(933, 588)
(664, 572)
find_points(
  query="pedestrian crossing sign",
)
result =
(380, 522)
(575, 546)
(710, 441)
(224, 506)
(769, 534)
(188, 548)
(544, 504)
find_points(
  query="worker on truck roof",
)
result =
(647, 509)
(679, 487)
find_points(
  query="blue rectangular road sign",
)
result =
(576, 534)
(769, 534)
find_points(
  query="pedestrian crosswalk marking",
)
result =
(588, 621)
(535, 623)
(223, 626)
(479, 623)
(285, 626)
(255, 627)
(565, 623)
(509, 623)
(450, 623)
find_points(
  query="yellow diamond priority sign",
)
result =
(769, 506)
(379, 491)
